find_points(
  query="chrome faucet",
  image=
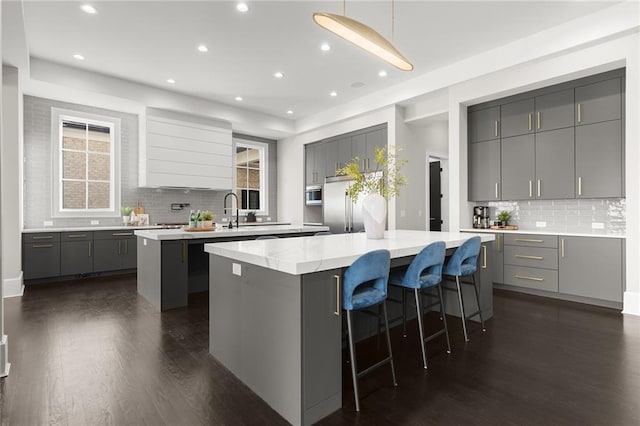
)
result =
(224, 209)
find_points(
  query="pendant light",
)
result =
(363, 36)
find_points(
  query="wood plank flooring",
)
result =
(92, 352)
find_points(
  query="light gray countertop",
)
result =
(180, 234)
(596, 233)
(88, 228)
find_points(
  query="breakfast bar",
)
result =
(275, 312)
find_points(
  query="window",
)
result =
(85, 164)
(251, 175)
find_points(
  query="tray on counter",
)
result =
(506, 228)
(210, 228)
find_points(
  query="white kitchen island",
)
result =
(275, 312)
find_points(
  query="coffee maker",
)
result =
(481, 218)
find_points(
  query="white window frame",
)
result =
(58, 115)
(264, 175)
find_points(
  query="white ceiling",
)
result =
(149, 42)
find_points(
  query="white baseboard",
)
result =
(631, 303)
(13, 287)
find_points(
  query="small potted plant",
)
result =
(503, 218)
(126, 214)
(207, 219)
(251, 216)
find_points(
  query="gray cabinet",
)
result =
(374, 139)
(484, 170)
(591, 267)
(114, 250)
(484, 124)
(314, 164)
(531, 261)
(518, 167)
(599, 160)
(359, 149)
(345, 152)
(554, 111)
(76, 253)
(597, 102)
(41, 255)
(496, 259)
(174, 291)
(516, 118)
(554, 164)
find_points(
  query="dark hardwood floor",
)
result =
(93, 352)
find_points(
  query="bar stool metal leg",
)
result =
(354, 370)
(444, 318)
(475, 288)
(386, 323)
(421, 328)
(404, 312)
(462, 314)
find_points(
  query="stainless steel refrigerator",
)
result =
(341, 215)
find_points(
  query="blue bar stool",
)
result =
(365, 285)
(424, 272)
(464, 263)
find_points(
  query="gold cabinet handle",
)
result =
(46, 237)
(77, 236)
(496, 128)
(538, 121)
(579, 113)
(529, 121)
(496, 190)
(337, 311)
(528, 240)
(42, 245)
(122, 234)
(499, 242)
(484, 256)
(524, 277)
(579, 185)
(526, 256)
(562, 248)
(539, 187)
(184, 252)
(530, 188)
(90, 248)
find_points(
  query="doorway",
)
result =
(435, 196)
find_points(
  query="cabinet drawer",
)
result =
(109, 235)
(521, 276)
(534, 257)
(76, 236)
(41, 259)
(40, 237)
(531, 240)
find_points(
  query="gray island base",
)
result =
(275, 312)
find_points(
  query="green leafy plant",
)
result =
(504, 216)
(385, 179)
(126, 211)
(207, 215)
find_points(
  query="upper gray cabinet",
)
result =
(599, 160)
(554, 111)
(331, 156)
(516, 118)
(518, 167)
(555, 165)
(484, 170)
(314, 164)
(597, 102)
(375, 139)
(484, 124)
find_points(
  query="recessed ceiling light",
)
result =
(333, 94)
(203, 48)
(382, 73)
(290, 112)
(278, 75)
(242, 7)
(325, 47)
(87, 8)
(238, 98)
(79, 57)
(171, 81)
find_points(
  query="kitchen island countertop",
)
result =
(242, 231)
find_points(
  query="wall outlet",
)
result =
(597, 225)
(95, 222)
(541, 224)
(48, 223)
(419, 213)
(236, 269)
(269, 219)
(403, 213)
(224, 219)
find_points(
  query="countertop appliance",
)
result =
(313, 195)
(341, 215)
(481, 217)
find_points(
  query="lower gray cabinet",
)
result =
(174, 291)
(41, 255)
(76, 253)
(591, 267)
(496, 259)
(114, 250)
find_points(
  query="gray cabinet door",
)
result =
(76, 257)
(375, 139)
(555, 174)
(484, 171)
(485, 265)
(484, 124)
(310, 164)
(516, 118)
(320, 162)
(591, 267)
(331, 161)
(518, 167)
(321, 338)
(599, 160)
(107, 255)
(41, 259)
(175, 275)
(345, 151)
(496, 258)
(554, 111)
(129, 253)
(359, 149)
(601, 101)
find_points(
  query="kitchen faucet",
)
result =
(224, 209)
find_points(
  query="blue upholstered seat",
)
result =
(364, 284)
(463, 263)
(425, 271)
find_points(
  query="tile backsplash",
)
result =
(609, 215)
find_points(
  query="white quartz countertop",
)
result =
(180, 234)
(596, 233)
(312, 254)
(88, 228)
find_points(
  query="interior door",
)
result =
(435, 197)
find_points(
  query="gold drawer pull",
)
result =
(527, 240)
(524, 256)
(42, 245)
(122, 234)
(77, 236)
(524, 277)
(48, 237)
(337, 311)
